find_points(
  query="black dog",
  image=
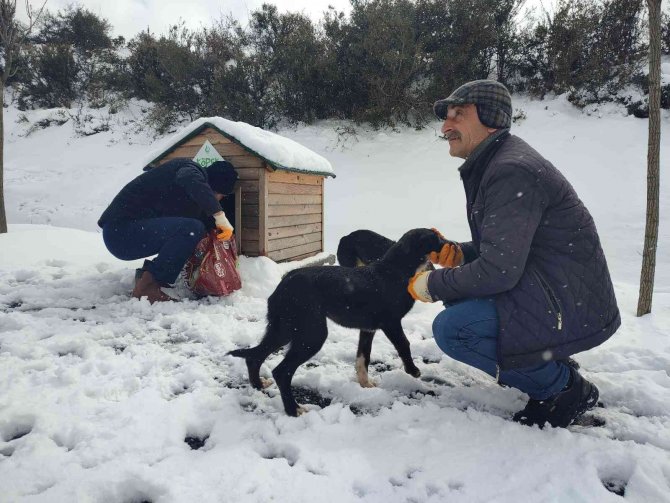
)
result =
(368, 298)
(362, 247)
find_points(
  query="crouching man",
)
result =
(532, 287)
(166, 211)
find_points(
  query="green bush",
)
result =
(460, 38)
(166, 70)
(72, 57)
(51, 82)
(595, 48)
(384, 63)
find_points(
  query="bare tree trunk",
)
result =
(12, 36)
(7, 42)
(653, 160)
(7, 11)
(3, 215)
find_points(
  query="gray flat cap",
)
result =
(493, 101)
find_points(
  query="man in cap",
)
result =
(166, 211)
(532, 287)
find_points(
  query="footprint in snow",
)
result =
(615, 486)
(195, 442)
(288, 452)
(13, 430)
(310, 396)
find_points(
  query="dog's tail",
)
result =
(264, 348)
(346, 252)
(254, 363)
(242, 353)
(254, 357)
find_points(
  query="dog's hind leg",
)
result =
(363, 358)
(254, 357)
(399, 340)
(308, 335)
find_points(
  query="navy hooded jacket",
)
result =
(178, 188)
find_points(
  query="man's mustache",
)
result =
(450, 136)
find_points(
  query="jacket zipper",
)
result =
(551, 299)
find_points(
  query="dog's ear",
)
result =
(432, 241)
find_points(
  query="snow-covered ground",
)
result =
(100, 393)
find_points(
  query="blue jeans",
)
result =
(172, 238)
(468, 332)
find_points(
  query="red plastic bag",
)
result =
(212, 269)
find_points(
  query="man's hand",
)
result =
(418, 287)
(438, 233)
(223, 226)
(450, 256)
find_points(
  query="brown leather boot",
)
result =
(148, 287)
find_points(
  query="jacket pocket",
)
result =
(552, 299)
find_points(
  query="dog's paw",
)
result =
(266, 383)
(413, 371)
(369, 383)
(301, 410)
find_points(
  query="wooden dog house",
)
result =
(278, 206)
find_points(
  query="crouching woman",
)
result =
(166, 212)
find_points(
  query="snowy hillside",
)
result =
(107, 399)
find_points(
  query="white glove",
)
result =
(223, 226)
(418, 287)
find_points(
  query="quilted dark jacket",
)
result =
(536, 251)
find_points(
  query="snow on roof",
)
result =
(279, 151)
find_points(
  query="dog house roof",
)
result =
(278, 151)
